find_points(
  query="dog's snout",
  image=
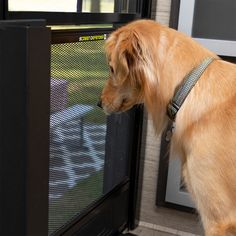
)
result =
(99, 104)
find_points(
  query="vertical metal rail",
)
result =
(24, 125)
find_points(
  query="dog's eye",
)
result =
(111, 69)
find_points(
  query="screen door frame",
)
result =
(25, 142)
(24, 123)
(122, 192)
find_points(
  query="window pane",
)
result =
(214, 19)
(93, 6)
(43, 5)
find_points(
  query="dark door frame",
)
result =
(25, 73)
(126, 191)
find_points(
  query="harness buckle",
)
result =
(172, 110)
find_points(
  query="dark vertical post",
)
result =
(146, 9)
(117, 4)
(174, 14)
(135, 168)
(133, 6)
(95, 6)
(24, 125)
(79, 6)
(118, 148)
(2, 9)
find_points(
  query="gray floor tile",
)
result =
(142, 231)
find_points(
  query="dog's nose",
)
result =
(99, 104)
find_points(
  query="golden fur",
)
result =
(148, 61)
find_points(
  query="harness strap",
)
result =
(184, 89)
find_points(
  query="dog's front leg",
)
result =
(217, 211)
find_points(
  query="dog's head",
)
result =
(132, 68)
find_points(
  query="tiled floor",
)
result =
(167, 218)
(147, 229)
(142, 231)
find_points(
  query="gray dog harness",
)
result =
(181, 94)
(184, 89)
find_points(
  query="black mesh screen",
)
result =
(77, 129)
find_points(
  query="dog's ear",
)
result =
(129, 53)
(132, 58)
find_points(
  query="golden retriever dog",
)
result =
(148, 62)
